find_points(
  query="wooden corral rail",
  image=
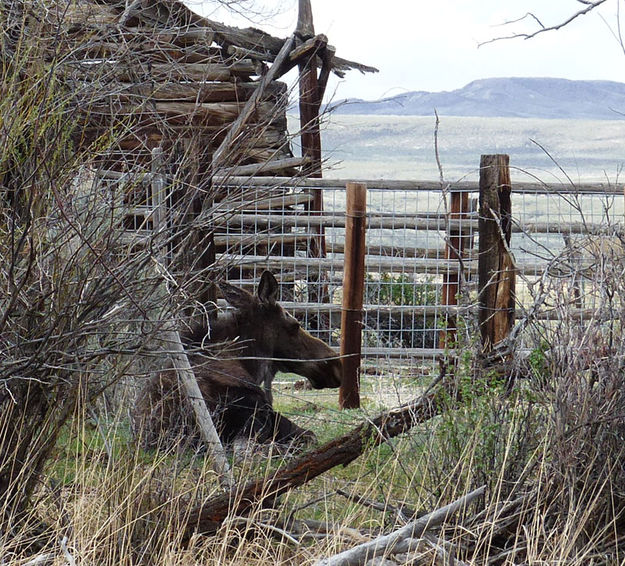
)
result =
(436, 186)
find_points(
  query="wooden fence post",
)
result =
(496, 269)
(353, 291)
(454, 250)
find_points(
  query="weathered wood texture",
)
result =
(160, 74)
(251, 106)
(353, 292)
(401, 540)
(207, 517)
(309, 103)
(496, 271)
(457, 242)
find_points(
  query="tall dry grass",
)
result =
(80, 313)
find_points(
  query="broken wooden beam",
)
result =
(250, 107)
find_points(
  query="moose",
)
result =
(235, 361)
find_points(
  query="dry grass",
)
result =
(79, 317)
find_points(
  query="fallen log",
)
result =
(207, 517)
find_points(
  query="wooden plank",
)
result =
(372, 264)
(336, 248)
(309, 48)
(420, 310)
(257, 168)
(197, 91)
(392, 251)
(171, 72)
(261, 203)
(435, 222)
(456, 242)
(520, 187)
(213, 112)
(336, 221)
(144, 51)
(266, 239)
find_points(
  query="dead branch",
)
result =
(207, 517)
(400, 539)
(590, 6)
(402, 513)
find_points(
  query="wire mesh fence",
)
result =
(269, 227)
(267, 223)
(409, 231)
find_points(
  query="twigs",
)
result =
(404, 539)
(590, 6)
(403, 514)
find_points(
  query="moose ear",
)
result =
(268, 288)
(238, 298)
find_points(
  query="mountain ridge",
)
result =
(505, 97)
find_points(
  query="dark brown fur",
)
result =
(235, 377)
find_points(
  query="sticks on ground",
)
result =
(402, 540)
(207, 517)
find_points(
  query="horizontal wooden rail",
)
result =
(420, 310)
(407, 185)
(338, 221)
(373, 264)
(410, 353)
(263, 203)
(435, 222)
(390, 185)
(390, 264)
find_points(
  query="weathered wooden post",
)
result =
(496, 272)
(310, 97)
(456, 244)
(353, 291)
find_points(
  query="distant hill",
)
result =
(505, 97)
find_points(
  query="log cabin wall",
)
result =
(161, 76)
(152, 74)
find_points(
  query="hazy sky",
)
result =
(433, 44)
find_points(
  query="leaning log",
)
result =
(207, 517)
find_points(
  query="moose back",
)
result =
(235, 362)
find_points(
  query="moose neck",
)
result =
(233, 325)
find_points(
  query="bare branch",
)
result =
(590, 6)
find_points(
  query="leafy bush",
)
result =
(400, 329)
